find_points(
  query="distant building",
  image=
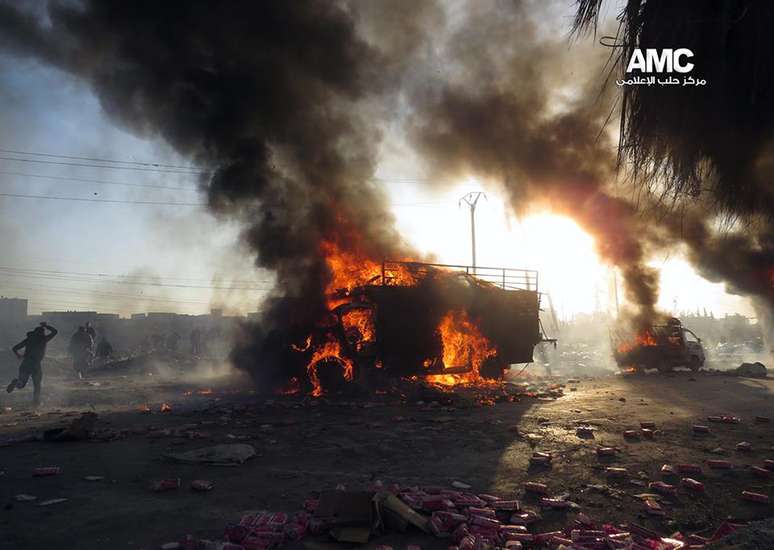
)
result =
(13, 310)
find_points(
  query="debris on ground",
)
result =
(46, 471)
(202, 485)
(217, 455)
(466, 519)
(165, 485)
(52, 501)
(751, 370)
(79, 429)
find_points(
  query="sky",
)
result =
(129, 258)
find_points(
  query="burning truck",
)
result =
(446, 324)
(661, 346)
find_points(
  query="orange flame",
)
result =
(644, 339)
(349, 270)
(329, 350)
(463, 345)
(362, 320)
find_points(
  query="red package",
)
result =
(540, 460)
(508, 505)
(647, 433)
(768, 464)
(468, 500)
(47, 471)
(534, 487)
(467, 543)
(605, 451)
(692, 484)
(543, 538)
(432, 502)
(648, 425)
(760, 472)
(762, 419)
(460, 532)
(522, 537)
(719, 464)
(663, 488)
(699, 428)
(507, 529)
(555, 503)
(653, 508)
(482, 521)
(689, 468)
(165, 485)
(667, 470)
(755, 497)
(744, 446)
(616, 472)
(484, 512)
(202, 485)
(632, 434)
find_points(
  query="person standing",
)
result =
(31, 366)
(80, 349)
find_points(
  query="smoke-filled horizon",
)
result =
(285, 106)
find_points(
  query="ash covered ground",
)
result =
(414, 436)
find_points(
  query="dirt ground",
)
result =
(305, 445)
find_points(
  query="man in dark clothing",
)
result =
(81, 346)
(90, 331)
(34, 350)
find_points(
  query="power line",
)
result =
(108, 275)
(75, 157)
(110, 201)
(83, 165)
(11, 273)
(45, 290)
(101, 182)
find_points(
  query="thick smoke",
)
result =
(270, 97)
(515, 111)
(741, 256)
(282, 104)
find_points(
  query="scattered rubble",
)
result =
(467, 520)
(752, 370)
(217, 455)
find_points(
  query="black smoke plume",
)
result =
(270, 98)
(501, 118)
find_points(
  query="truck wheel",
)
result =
(694, 363)
(663, 367)
(492, 369)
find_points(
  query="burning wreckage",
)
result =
(661, 346)
(446, 324)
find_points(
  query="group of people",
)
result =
(82, 349)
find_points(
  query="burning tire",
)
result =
(332, 374)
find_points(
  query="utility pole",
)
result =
(471, 199)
